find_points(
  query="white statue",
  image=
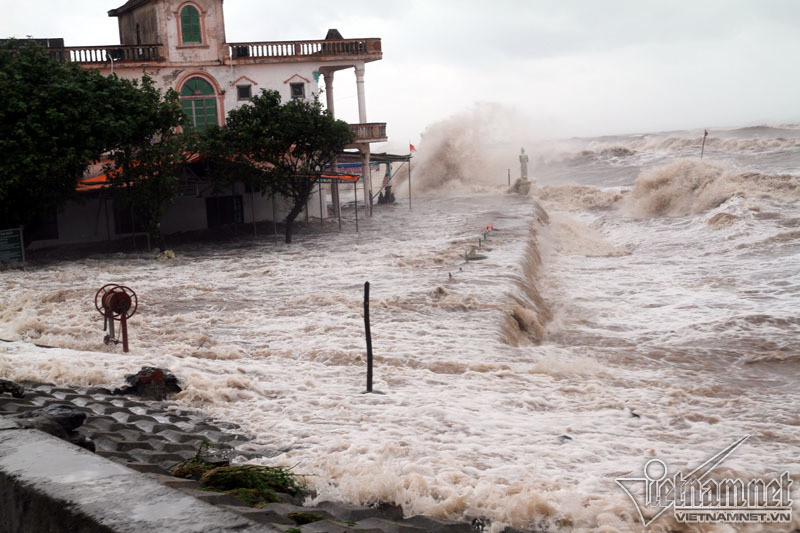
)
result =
(523, 164)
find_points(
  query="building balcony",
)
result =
(369, 132)
(295, 51)
(239, 53)
(106, 54)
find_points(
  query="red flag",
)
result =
(411, 148)
(706, 135)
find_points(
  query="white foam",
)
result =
(271, 337)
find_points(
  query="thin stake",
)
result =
(703, 149)
(369, 336)
(509, 177)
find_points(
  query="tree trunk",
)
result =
(297, 208)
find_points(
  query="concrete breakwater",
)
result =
(47, 484)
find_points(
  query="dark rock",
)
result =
(564, 438)
(150, 382)
(481, 524)
(68, 416)
(9, 386)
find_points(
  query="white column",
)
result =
(362, 102)
(329, 90)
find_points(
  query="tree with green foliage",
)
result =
(54, 120)
(57, 118)
(285, 145)
(147, 166)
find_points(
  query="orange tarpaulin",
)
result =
(100, 181)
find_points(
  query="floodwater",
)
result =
(649, 310)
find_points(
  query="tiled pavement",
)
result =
(152, 437)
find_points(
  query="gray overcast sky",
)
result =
(569, 67)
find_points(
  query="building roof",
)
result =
(130, 4)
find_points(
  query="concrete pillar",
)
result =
(366, 176)
(329, 90)
(362, 102)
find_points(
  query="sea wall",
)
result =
(48, 485)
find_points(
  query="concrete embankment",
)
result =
(48, 485)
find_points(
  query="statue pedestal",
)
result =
(521, 186)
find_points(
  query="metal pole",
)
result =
(133, 229)
(22, 243)
(274, 219)
(355, 194)
(336, 203)
(253, 209)
(321, 220)
(509, 177)
(409, 183)
(369, 336)
(124, 331)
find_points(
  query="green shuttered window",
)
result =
(199, 103)
(190, 25)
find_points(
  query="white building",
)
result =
(182, 45)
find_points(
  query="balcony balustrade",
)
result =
(105, 54)
(369, 132)
(369, 49)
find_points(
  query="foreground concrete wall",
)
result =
(50, 486)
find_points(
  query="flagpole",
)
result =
(410, 149)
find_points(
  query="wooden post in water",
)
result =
(509, 177)
(369, 336)
(703, 149)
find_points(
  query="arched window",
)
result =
(190, 25)
(199, 103)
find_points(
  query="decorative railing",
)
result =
(306, 49)
(369, 132)
(107, 54)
